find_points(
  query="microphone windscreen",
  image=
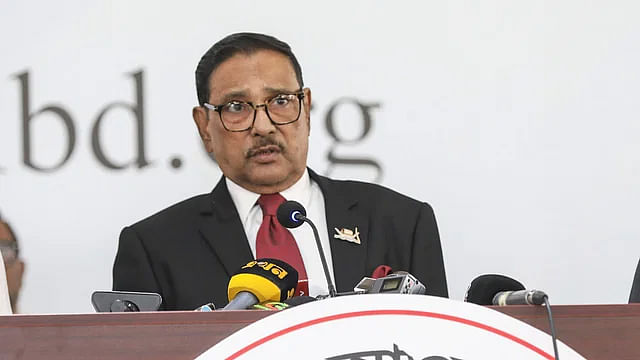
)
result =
(266, 279)
(287, 211)
(485, 287)
(299, 300)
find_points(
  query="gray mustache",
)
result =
(264, 142)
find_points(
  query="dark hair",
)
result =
(247, 43)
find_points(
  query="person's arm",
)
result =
(5, 303)
(427, 262)
(132, 268)
(635, 287)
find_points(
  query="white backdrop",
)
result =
(517, 121)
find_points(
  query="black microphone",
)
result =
(520, 297)
(485, 287)
(259, 281)
(492, 289)
(292, 214)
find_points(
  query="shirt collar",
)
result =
(245, 199)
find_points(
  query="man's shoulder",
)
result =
(181, 213)
(370, 193)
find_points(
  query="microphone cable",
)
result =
(554, 338)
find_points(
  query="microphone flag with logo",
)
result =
(261, 280)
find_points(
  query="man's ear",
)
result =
(202, 123)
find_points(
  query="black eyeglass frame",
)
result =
(218, 108)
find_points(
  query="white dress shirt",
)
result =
(5, 304)
(307, 193)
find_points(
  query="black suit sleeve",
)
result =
(132, 269)
(426, 254)
(635, 287)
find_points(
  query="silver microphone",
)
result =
(520, 297)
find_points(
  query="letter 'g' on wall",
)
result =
(336, 160)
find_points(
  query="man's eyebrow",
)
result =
(243, 95)
(276, 91)
(234, 95)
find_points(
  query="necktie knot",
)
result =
(269, 203)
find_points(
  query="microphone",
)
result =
(125, 301)
(492, 289)
(291, 214)
(484, 288)
(520, 297)
(259, 281)
(399, 282)
(208, 307)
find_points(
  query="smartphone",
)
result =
(125, 301)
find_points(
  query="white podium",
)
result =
(389, 327)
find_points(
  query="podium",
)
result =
(596, 331)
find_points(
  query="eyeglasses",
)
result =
(9, 251)
(239, 116)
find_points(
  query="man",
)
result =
(14, 266)
(253, 116)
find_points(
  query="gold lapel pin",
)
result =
(348, 235)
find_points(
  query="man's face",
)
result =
(268, 158)
(14, 268)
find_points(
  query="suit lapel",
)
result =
(341, 211)
(222, 228)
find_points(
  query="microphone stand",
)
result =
(325, 267)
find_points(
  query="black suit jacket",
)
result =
(188, 251)
(634, 297)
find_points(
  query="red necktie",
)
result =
(275, 241)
